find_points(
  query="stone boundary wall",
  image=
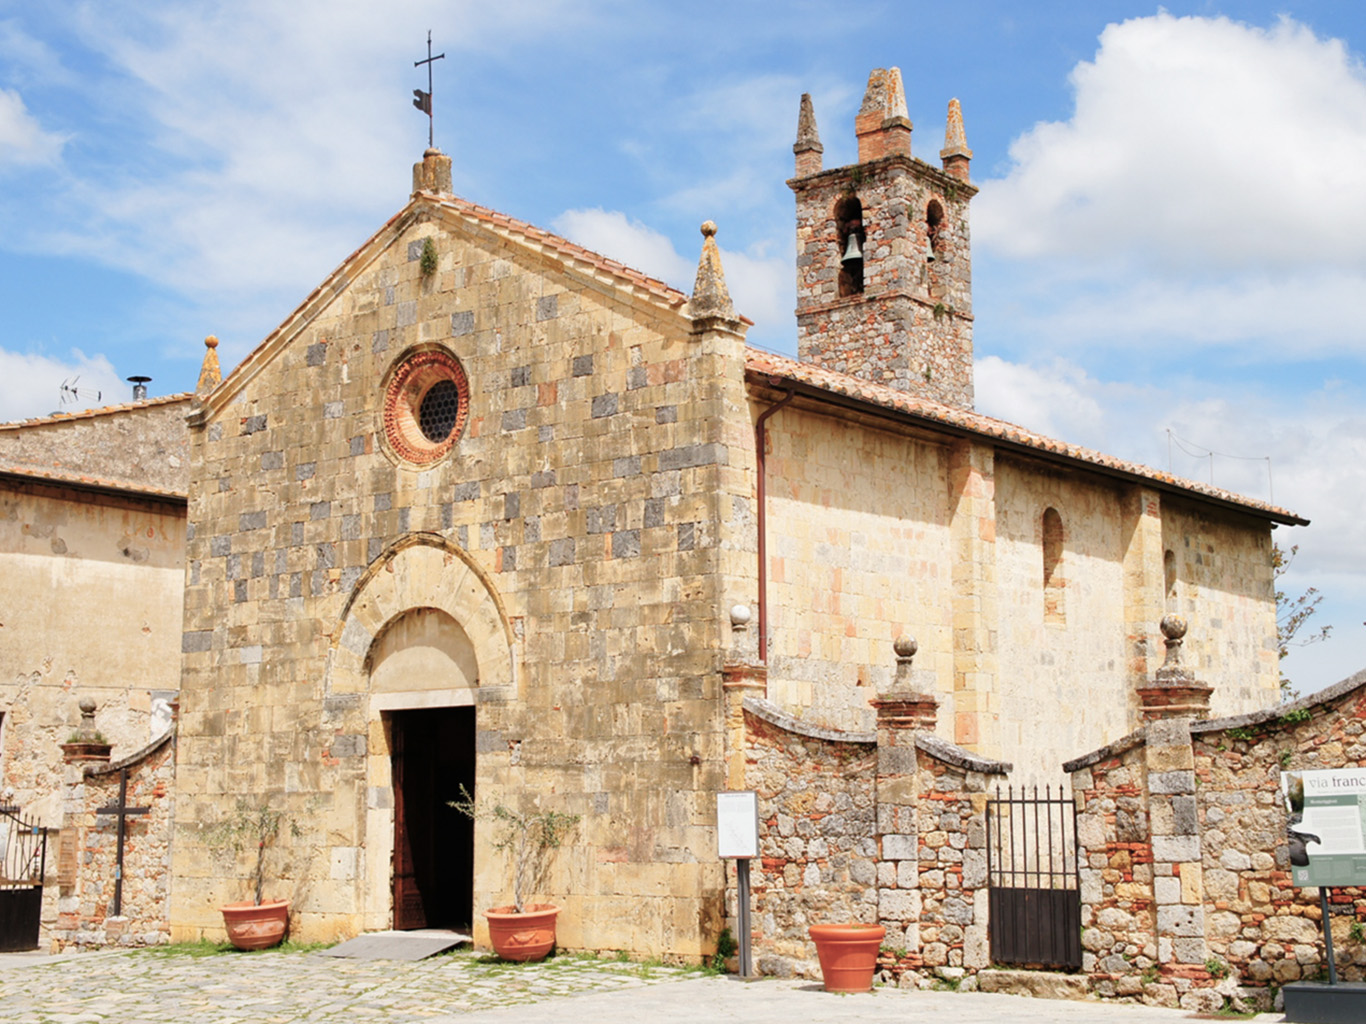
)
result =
(87, 853)
(1186, 894)
(1267, 931)
(944, 884)
(886, 827)
(817, 837)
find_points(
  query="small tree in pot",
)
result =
(258, 924)
(519, 931)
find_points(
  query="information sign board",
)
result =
(737, 824)
(1326, 825)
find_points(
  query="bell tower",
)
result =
(884, 266)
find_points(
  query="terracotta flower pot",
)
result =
(253, 926)
(848, 954)
(526, 936)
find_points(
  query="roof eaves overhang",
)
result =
(781, 383)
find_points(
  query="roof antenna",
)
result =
(72, 395)
(423, 100)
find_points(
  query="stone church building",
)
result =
(489, 509)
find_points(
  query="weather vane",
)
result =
(423, 100)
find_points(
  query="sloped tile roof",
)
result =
(767, 367)
(85, 481)
(535, 236)
(104, 410)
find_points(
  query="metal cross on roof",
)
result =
(423, 100)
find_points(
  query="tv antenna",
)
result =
(73, 395)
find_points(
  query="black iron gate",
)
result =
(23, 857)
(1033, 879)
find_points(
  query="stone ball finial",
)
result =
(87, 706)
(211, 341)
(739, 615)
(1173, 627)
(708, 228)
(905, 646)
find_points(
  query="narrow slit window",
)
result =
(1054, 606)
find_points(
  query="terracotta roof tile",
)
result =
(762, 364)
(52, 474)
(106, 410)
(531, 233)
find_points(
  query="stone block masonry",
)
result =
(566, 552)
(87, 853)
(1186, 888)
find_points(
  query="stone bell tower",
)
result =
(884, 266)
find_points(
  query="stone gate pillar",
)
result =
(900, 713)
(1169, 704)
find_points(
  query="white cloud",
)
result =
(612, 233)
(1195, 140)
(761, 286)
(1208, 189)
(23, 142)
(260, 142)
(31, 384)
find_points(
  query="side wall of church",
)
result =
(859, 553)
(91, 608)
(1223, 585)
(1061, 639)
(594, 484)
(1034, 592)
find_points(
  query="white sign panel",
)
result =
(737, 824)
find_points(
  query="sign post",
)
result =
(737, 837)
(1326, 833)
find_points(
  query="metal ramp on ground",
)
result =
(408, 945)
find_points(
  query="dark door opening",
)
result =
(433, 755)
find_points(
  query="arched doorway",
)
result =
(423, 632)
(424, 654)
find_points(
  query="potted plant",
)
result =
(257, 924)
(848, 954)
(521, 931)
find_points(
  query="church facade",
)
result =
(490, 510)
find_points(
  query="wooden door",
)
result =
(409, 911)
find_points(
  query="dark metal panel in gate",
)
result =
(23, 858)
(1033, 879)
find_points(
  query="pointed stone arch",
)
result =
(423, 571)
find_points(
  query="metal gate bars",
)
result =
(1033, 879)
(23, 857)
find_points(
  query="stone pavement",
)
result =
(151, 987)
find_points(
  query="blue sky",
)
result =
(1170, 234)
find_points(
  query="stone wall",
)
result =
(70, 559)
(885, 827)
(572, 541)
(87, 852)
(1186, 888)
(817, 833)
(1119, 940)
(143, 444)
(1268, 931)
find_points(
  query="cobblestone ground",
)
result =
(158, 987)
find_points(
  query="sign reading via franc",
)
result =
(1326, 826)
